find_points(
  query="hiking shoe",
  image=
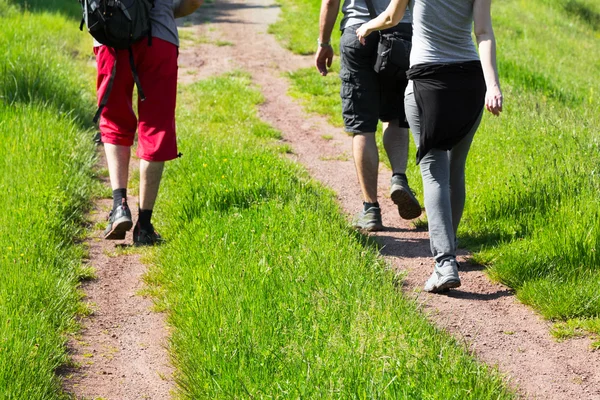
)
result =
(119, 222)
(403, 197)
(368, 220)
(146, 237)
(444, 277)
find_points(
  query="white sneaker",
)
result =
(444, 277)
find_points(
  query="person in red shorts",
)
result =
(156, 65)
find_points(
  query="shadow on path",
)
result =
(460, 294)
(393, 246)
(222, 13)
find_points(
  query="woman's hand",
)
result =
(362, 32)
(387, 19)
(493, 100)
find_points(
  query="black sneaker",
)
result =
(119, 222)
(403, 197)
(146, 237)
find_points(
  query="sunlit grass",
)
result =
(301, 35)
(46, 181)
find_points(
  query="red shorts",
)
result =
(156, 66)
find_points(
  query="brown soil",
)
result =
(121, 349)
(485, 315)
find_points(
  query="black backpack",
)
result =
(118, 24)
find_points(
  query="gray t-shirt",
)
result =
(163, 22)
(442, 31)
(356, 12)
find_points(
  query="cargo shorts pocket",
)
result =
(359, 108)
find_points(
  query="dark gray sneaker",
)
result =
(119, 222)
(403, 197)
(368, 220)
(146, 237)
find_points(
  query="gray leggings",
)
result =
(443, 174)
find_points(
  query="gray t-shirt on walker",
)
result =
(356, 12)
(442, 31)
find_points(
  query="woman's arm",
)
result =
(487, 52)
(387, 19)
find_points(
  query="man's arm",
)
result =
(324, 56)
(182, 8)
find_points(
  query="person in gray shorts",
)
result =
(368, 97)
(450, 83)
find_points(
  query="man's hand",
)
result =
(324, 58)
(327, 17)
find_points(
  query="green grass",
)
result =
(300, 31)
(577, 327)
(46, 183)
(65, 8)
(532, 213)
(320, 94)
(270, 294)
(36, 64)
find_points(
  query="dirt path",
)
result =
(500, 330)
(122, 347)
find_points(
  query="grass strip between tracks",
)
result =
(269, 292)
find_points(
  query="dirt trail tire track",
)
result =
(485, 315)
(122, 347)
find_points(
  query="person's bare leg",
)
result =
(119, 221)
(150, 176)
(117, 158)
(366, 161)
(395, 142)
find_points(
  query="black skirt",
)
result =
(449, 99)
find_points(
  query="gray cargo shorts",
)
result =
(366, 96)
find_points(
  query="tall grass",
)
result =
(269, 292)
(36, 64)
(532, 212)
(45, 184)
